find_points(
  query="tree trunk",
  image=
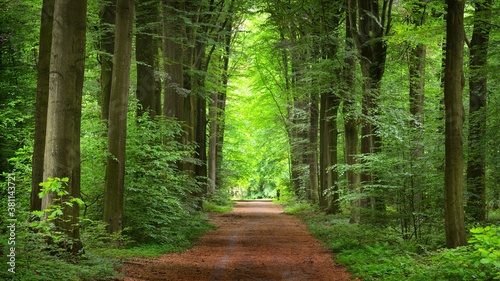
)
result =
(42, 95)
(416, 67)
(453, 85)
(200, 132)
(476, 165)
(145, 52)
(220, 135)
(217, 116)
(324, 156)
(299, 146)
(373, 24)
(62, 146)
(212, 143)
(107, 14)
(351, 122)
(313, 149)
(117, 130)
(174, 56)
(328, 152)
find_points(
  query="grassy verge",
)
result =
(101, 261)
(213, 207)
(378, 253)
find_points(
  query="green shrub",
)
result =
(379, 253)
(209, 206)
(301, 208)
(480, 260)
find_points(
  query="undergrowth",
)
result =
(219, 202)
(101, 260)
(379, 253)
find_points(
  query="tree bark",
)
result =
(476, 165)
(212, 144)
(220, 136)
(328, 151)
(107, 15)
(416, 68)
(313, 149)
(42, 96)
(62, 146)
(368, 34)
(174, 56)
(217, 116)
(453, 86)
(145, 52)
(351, 120)
(117, 129)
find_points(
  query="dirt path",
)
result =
(256, 241)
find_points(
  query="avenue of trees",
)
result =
(134, 114)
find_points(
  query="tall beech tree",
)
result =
(368, 30)
(350, 117)
(42, 95)
(62, 146)
(455, 114)
(292, 21)
(117, 126)
(417, 55)
(173, 58)
(218, 106)
(107, 15)
(327, 29)
(476, 164)
(146, 50)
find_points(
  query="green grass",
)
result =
(212, 207)
(379, 253)
(301, 208)
(141, 251)
(41, 266)
(101, 260)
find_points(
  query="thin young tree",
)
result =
(62, 146)
(417, 55)
(42, 95)
(454, 161)
(117, 127)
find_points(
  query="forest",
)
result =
(125, 123)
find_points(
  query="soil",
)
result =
(255, 241)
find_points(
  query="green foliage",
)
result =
(480, 260)
(35, 262)
(93, 157)
(380, 253)
(159, 200)
(256, 143)
(49, 217)
(212, 207)
(301, 208)
(18, 32)
(58, 186)
(35, 258)
(141, 251)
(218, 202)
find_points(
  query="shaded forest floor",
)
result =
(255, 241)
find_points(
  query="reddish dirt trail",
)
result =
(256, 241)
